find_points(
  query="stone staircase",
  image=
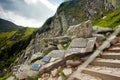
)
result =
(103, 64)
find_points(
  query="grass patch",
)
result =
(66, 46)
(11, 43)
(110, 21)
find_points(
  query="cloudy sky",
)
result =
(28, 13)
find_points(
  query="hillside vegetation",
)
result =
(111, 20)
(11, 43)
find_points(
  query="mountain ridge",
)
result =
(8, 26)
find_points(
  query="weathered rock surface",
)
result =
(57, 40)
(57, 53)
(81, 30)
(101, 30)
(100, 37)
(67, 71)
(73, 63)
(86, 44)
(54, 72)
(49, 49)
(78, 43)
(35, 57)
(90, 44)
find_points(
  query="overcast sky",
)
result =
(28, 13)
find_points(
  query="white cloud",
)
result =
(49, 5)
(19, 20)
(31, 1)
(45, 2)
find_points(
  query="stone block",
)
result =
(57, 53)
(81, 30)
(90, 44)
(78, 43)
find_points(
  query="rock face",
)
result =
(82, 30)
(78, 43)
(35, 57)
(68, 15)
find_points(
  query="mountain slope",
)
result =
(13, 39)
(7, 26)
(69, 13)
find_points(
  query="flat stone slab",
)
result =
(57, 53)
(90, 44)
(78, 43)
(71, 51)
(46, 59)
(36, 67)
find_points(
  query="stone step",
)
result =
(117, 45)
(83, 76)
(114, 49)
(102, 75)
(110, 55)
(107, 62)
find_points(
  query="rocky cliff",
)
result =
(69, 13)
(74, 12)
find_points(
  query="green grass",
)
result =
(7, 35)
(28, 32)
(12, 43)
(110, 21)
(66, 46)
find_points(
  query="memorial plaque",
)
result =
(46, 59)
(36, 67)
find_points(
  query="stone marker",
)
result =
(78, 43)
(46, 59)
(36, 67)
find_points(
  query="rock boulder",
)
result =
(81, 30)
